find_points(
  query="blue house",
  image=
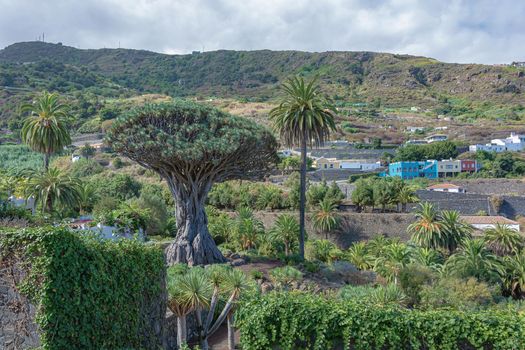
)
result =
(414, 169)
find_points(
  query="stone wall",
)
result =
(354, 226)
(18, 329)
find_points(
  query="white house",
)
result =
(483, 223)
(446, 188)
(513, 143)
(359, 164)
(436, 138)
(414, 129)
(28, 204)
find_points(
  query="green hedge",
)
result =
(303, 321)
(91, 294)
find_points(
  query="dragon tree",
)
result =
(191, 147)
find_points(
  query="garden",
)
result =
(191, 264)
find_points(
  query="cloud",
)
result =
(484, 31)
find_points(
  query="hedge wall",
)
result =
(90, 294)
(304, 321)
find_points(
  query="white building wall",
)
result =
(484, 227)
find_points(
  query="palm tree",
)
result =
(326, 218)
(358, 255)
(473, 259)
(503, 240)
(427, 229)
(45, 130)
(87, 196)
(304, 117)
(406, 195)
(395, 257)
(427, 257)
(52, 188)
(286, 229)
(454, 229)
(247, 229)
(514, 279)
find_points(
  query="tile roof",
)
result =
(488, 220)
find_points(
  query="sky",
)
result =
(465, 31)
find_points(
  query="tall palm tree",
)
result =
(406, 195)
(455, 229)
(52, 188)
(473, 259)
(325, 217)
(45, 129)
(503, 239)
(427, 229)
(304, 117)
(286, 229)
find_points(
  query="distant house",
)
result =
(483, 223)
(446, 188)
(28, 204)
(416, 142)
(469, 166)
(351, 164)
(449, 167)
(414, 169)
(436, 138)
(414, 129)
(513, 143)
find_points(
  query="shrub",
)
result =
(85, 167)
(90, 293)
(412, 278)
(457, 294)
(118, 186)
(256, 274)
(296, 320)
(284, 277)
(322, 250)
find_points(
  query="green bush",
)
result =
(295, 320)
(90, 293)
(85, 167)
(458, 294)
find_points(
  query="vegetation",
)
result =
(301, 320)
(303, 117)
(435, 150)
(79, 280)
(210, 146)
(384, 192)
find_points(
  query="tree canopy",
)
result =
(192, 146)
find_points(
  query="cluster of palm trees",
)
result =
(442, 242)
(383, 192)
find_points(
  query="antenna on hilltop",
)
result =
(43, 37)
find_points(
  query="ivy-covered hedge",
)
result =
(90, 294)
(299, 320)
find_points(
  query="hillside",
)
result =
(386, 79)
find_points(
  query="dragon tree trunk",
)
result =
(193, 243)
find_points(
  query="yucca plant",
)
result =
(284, 277)
(286, 230)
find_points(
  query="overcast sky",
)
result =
(483, 31)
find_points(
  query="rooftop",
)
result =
(488, 220)
(443, 186)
